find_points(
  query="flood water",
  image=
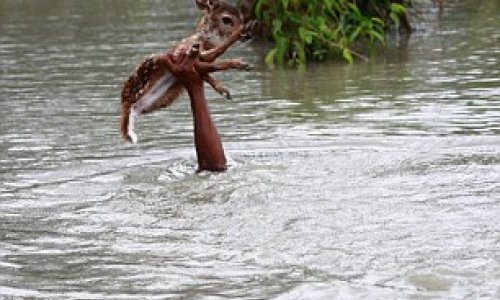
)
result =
(375, 180)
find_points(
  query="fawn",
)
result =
(152, 86)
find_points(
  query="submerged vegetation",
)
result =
(305, 30)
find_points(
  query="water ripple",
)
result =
(364, 181)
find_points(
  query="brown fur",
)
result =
(144, 77)
(152, 68)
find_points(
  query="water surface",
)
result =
(364, 181)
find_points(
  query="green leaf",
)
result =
(394, 17)
(258, 8)
(377, 36)
(354, 8)
(355, 33)
(346, 53)
(306, 35)
(281, 50)
(379, 21)
(285, 3)
(398, 8)
(270, 57)
(277, 26)
(317, 29)
(301, 53)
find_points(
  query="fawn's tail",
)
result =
(127, 124)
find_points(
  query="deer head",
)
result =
(220, 20)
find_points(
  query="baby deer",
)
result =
(152, 86)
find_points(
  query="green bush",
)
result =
(307, 30)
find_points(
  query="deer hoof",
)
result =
(241, 65)
(246, 67)
(226, 94)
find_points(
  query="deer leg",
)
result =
(217, 86)
(212, 54)
(222, 65)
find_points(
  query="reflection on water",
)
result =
(365, 181)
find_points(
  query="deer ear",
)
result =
(206, 4)
(247, 7)
(202, 4)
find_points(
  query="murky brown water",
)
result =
(364, 181)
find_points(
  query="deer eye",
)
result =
(227, 21)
